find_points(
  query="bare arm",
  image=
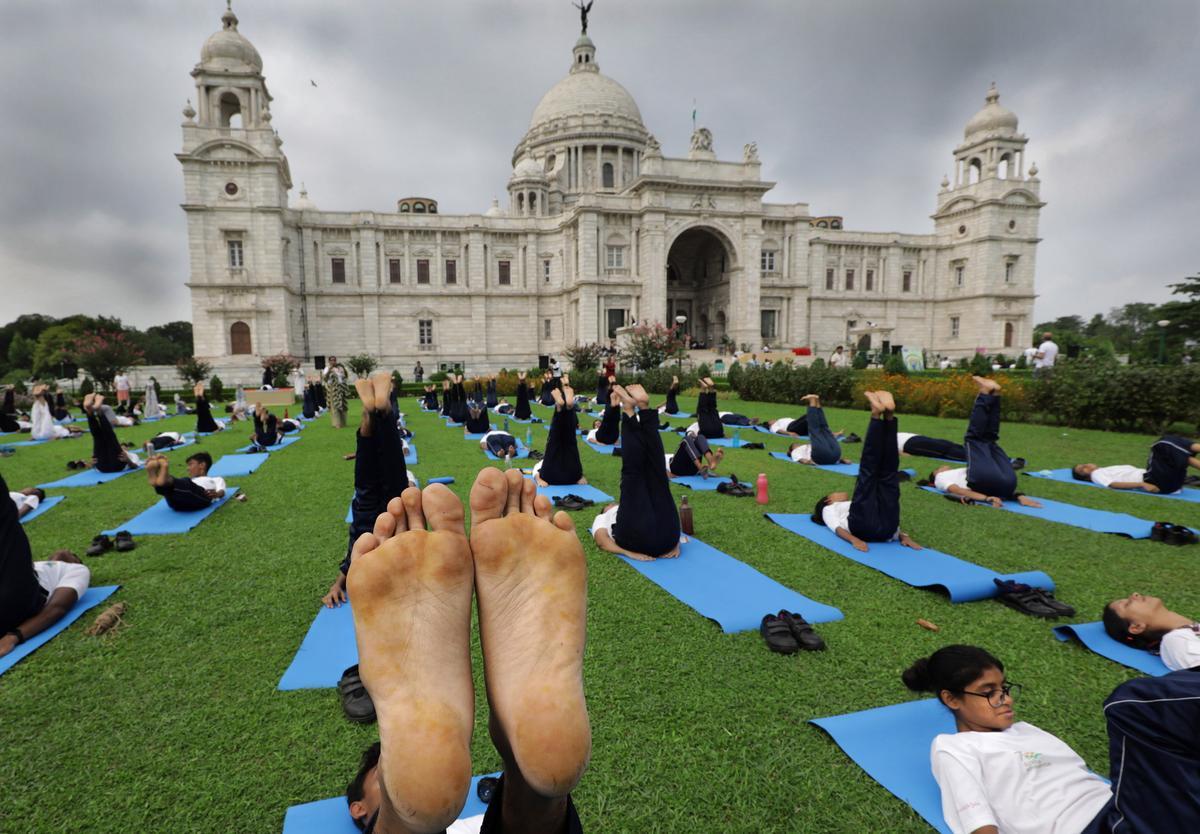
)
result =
(24, 510)
(1133, 485)
(972, 495)
(60, 602)
(337, 592)
(846, 535)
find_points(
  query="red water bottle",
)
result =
(762, 488)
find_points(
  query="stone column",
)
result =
(654, 268)
(599, 168)
(619, 177)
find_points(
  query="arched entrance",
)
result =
(698, 266)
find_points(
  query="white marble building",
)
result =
(601, 228)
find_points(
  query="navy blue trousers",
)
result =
(935, 447)
(522, 412)
(106, 449)
(672, 407)
(692, 449)
(561, 464)
(20, 594)
(609, 431)
(647, 521)
(204, 419)
(498, 444)
(989, 469)
(875, 505)
(379, 476)
(1168, 463)
(183, 496)
(478, 424)
(825, 447)
(266, 432)
(707, 417)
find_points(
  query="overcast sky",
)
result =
(856, 107)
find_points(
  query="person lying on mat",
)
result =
(289, 424)
(930, 447)
(708, 419)
(872, 514)
(1143, 622)
(205, 424)
(429, 402)
(995, 773)
(561, 465)
(503, 407)
(27, 500)
(671, 406)
(380, 473)
(524, 389)
(266, 427)
(185, 495)
(42, 425)
(822, 448)
(644, 525)
(9, 418)
(694, 457)
(1165, 472)
(365, 791)
(490, 399)
(477, 419)
(989, 475)
(107, 453)
(499, 443)
(163, 440)
(33, 595)
(114, 419)
(525, 565)
(607, 430)
(60, 409)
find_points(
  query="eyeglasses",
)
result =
(1009, 692)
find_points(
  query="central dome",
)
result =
(585, 93)
(992, 118)
(229, 49)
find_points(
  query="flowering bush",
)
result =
(584, 358)
(652, 344)
(105, 354)
(281, 364)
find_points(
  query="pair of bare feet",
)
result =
(564, 398)
(411, 582)
(706, 384)
(883, 406)
(985, 385)
(158, 471)
(92, 402)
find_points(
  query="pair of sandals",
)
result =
(122, 542)
(735, 488)
(571, 501)
(1035, 602)
(788, 633)
(77, 464)
(1168, 533)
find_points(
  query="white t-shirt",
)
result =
(175, 436)
(694, 428)
(605, 521)
(215, 484)
(1180, 648)
(949, 478)
(22, 500)
(1121, 474)
(1021, 780)
(837, 360)
(1049, 352)
(467, 825)
(836, 514)
(802, 453)
(121, 382)
(591, 436)
(55, 575)
(781, 424)
(903, 437)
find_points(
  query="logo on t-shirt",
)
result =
(1033, 761)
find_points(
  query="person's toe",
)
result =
(443, 510)
(363, 544)
(489, 495)
(411, 498)
(392, 521)
(514, 484)
(528, 491)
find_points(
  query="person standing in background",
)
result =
(1046, 353)
(334, 377)
(838, 358)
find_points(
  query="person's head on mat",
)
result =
(199, 464)
(970, 682)
(818, 515)
(1083, 471)
(1140, 621)
(40, 493)
(363, 792)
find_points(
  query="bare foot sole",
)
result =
(411, 592)
(366, 393)
(531, 583)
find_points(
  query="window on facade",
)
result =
(870, 280)
(545, 328)
(425, 332)
(768, 260)
(451, 272)
(394, 270)
(829, 279)
(1008, 273)
(239, 338)
(616, 318)
(546, 271)
(1008, 334)
(422, 271)
(607, 175)
(338, 270)
(236, 261)
(615, 257)
(770, 323)
(504, 274)
(954, 327)
(959, 273)
(906, 281)
(849, 279)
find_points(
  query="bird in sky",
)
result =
(310, 81)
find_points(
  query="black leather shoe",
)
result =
(99, 545)
(807, 639)
(356, 701)
(1060, 608)
(1180, 535)
(1160, 531)
(778, 635)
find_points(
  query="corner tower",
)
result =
(235, 181)
(987, 229)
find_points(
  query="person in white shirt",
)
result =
(189, 494)
(42, 425)
(995, 773)
(163, 440)
(1165, 471)
(499, 443)
(121, 383)
(838, 358)
(27, 500)
(1047, 353)
(1143, 622)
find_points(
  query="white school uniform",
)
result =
(1122, 474)
(694, 428)
(605, 521)
(801, 454)
(42, 425)
(466, 825)
(781, 424)
(1022, 780)
(591, 436)
(21, 500)
(205, 482)
(175, 436)
(54, 575)
(1180, 648)
(903, 437)
(836, 514)
(949, 478)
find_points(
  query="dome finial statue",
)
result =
(584, 8)
(229, 19)
(189, 112)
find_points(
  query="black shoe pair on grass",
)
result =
(1176, 534)
(123, 542)
(788, 633)
(356, 701)
(572, 502)
(1035, 602)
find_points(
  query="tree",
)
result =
(652, 344)
(55, 350)
(584, 358)
(362, 364)
(193, 370)
(20, 352)
(281, 364)
(105, 354)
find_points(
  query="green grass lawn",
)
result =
(174, 723)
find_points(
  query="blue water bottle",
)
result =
(737, 436)
(528, 437)
(506, 424)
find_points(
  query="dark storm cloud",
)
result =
(856, 107)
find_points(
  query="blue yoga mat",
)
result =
(410, 459)
(602, 448)
(892, 745)
(331, 816)
(582, 490)
(850, 469)
(40, 442)
(350, 506)
(723, 589)
(522, 452)
(161, 519)
(678, 415)
(930, 569)
(90, 599)
(1094, 637)
(87, 478)
(1100, 521)
(42, 507)
(328, 649)
(473, 435)
(1064, 475)
(699, 483)
(235, 466)
(288, 440)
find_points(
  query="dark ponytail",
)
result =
(950, 667)
(818, 514)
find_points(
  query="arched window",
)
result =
(1008, 334)
(521, 203)
(419, 208)
(231, 107)
(239, 338)
(404, 208)
(607, 174)
(1004, 168)
(974, 171)
(533, 202)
